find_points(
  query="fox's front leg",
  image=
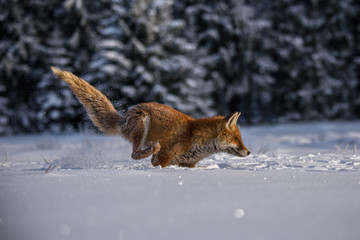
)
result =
(162, 158)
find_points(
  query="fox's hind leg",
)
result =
(138, 124)
(139, 153)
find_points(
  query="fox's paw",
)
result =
(160, 159)
(156, 148)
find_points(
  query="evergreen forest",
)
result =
(275, 61)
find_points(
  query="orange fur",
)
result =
(170, 136)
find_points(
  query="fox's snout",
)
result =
(238, 152)
(247, 152)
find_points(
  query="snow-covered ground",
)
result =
(302, 181)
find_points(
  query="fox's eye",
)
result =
(236, 139)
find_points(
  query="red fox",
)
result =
(170, 136)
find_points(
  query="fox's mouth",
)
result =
(238, 152)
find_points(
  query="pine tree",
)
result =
(4, 112)
(230, 46)
(34, 39)
(142, 56)
(314, 47)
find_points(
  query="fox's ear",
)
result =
(232, 119)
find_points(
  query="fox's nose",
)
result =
(248, 152)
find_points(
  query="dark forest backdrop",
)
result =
(280, 60)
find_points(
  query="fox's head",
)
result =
(229, 137)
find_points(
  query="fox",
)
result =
(170, 136)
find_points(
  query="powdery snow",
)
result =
(302, 181)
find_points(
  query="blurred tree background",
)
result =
(276, 61)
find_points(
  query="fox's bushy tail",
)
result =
(101, 111)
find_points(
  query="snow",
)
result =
(302, 181)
